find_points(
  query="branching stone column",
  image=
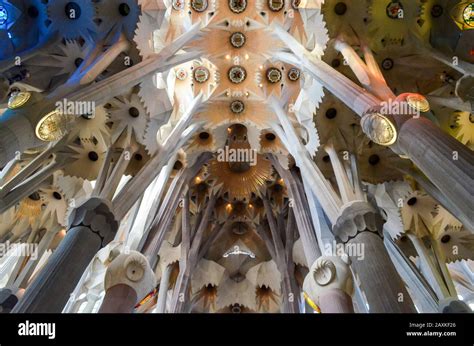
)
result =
(128, 280)
(92, 226)
(329, 284)
(303, 218)
(444, 160)
(358, 228)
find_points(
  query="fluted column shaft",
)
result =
(383, 288)
(50, 291)
(446, 162)
(92, 227)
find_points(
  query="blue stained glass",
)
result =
(3, 15)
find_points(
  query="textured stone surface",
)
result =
(92, 226)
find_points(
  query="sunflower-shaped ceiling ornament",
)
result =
(323, 161)
(444, 219)
(72, 19)
(88, 159)
(203, 10)
(128, 113)
(55, 205)
(30, 208)
(344, 15)
(336, 60)
(410, 68)
(138, 160)
(93, 127)
(240, 177)
(67, 58)
(119, 17)
(418, 213)
(250, 112)
(464, 131)
(149, 139)
(204, 78)
(337, 122)
(271, 79)
(63, 195)
(271, 10)
(379, 164)
(391, 21)
(455, 244)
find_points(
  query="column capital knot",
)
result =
(328, 273)
(356, 217)
(96, 214)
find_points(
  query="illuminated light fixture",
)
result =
(52, 127)
(199, 5)
(237, 74)
(418, 103)
(468, 14)
(178, 5)
(379, 129)
(294, 74)
(18, 99)
(237, 6)
(276, 5)
(237, 40)
(3, 15)
(237, 107)
(237, 251)
(463, 15)
(273, 75)
(311, 303)
(201, 74)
